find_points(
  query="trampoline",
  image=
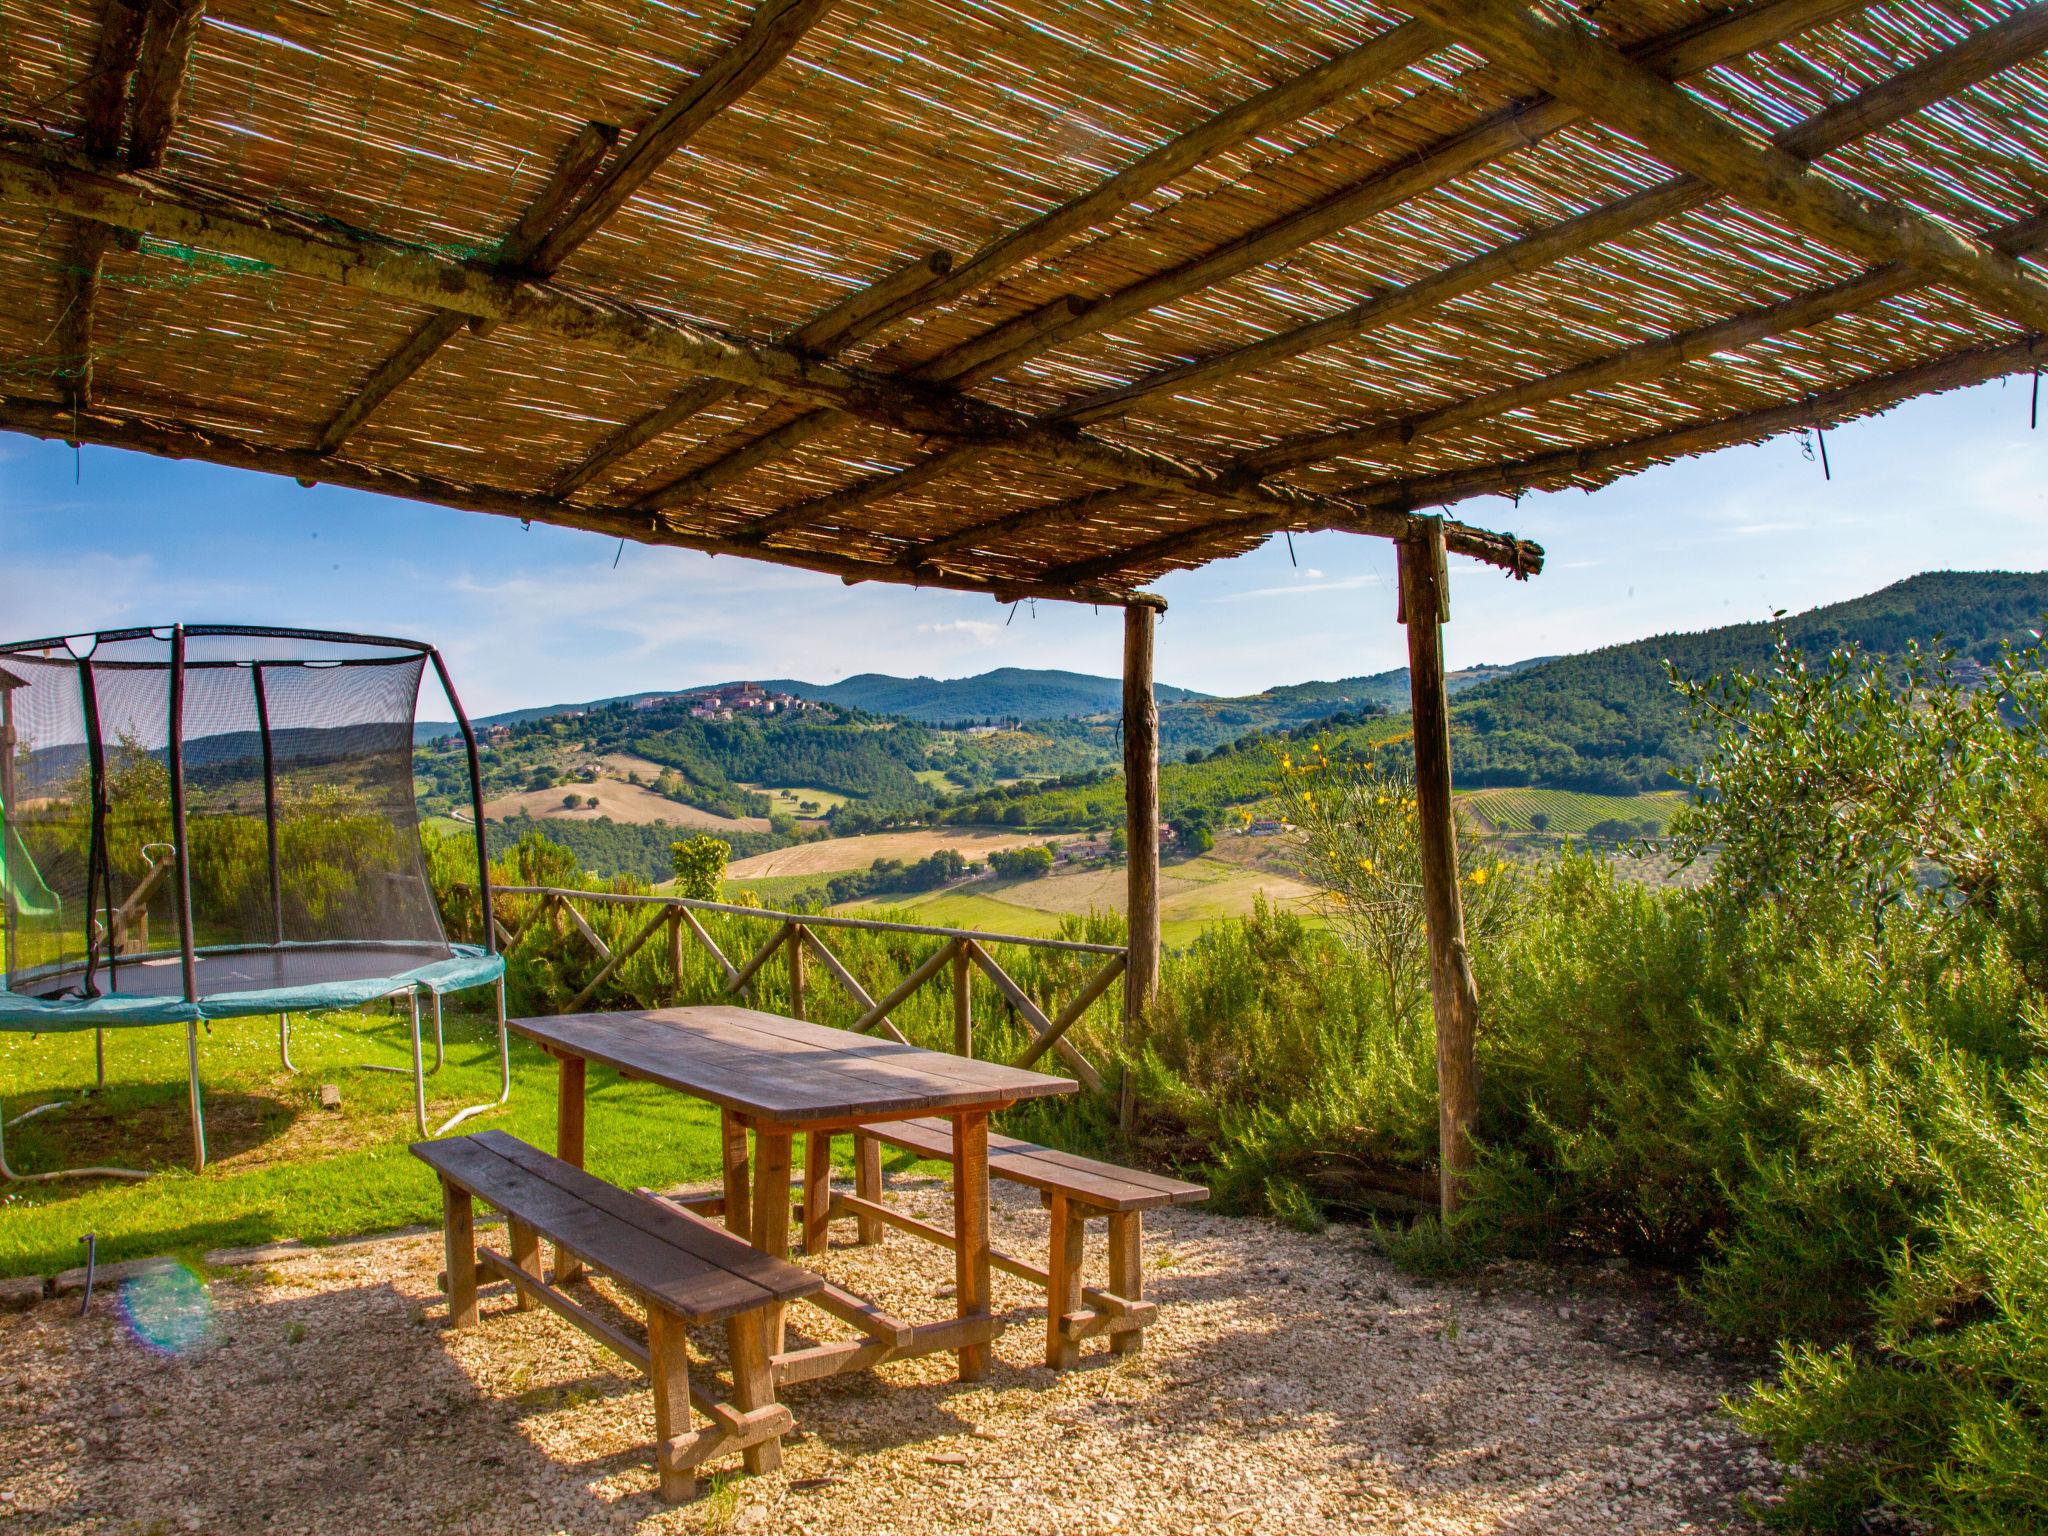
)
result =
(219, 821)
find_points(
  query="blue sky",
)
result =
(102, 538)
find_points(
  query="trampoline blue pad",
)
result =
(224, 994)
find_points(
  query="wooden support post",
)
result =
(753, 1383)
(739, 1209)
(525, 1245)
(1063, 1282)
(675, 950)
(963, 1000)
(1424, 607)
(569, 1145)
(669, 1372)
(771, 1211)
(817, 1192)
(796, 969)
(1141, 830)
(970, 1233)
(459, 1253)
(1127, 1273)
(867, 1184)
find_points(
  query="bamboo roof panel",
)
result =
(1175, 221)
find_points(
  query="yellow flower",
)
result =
(1478, 876)
(1307, 798)
(1366, 865)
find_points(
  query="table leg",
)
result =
(739, 1216)
(569, 1145)
(817, 1192)
(771, 1211)
(970, 1227)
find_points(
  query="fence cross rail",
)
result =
(798, 937)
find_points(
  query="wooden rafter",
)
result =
(1681, 54)
(418, 275)
(1667, 354)
(1383, 57)
(104, 108)
(1569, 62)
(1977, 57)
(831, 331)
(170, 440)
(160, 74)
(573, 168)
(577, 201)
(2015, 40)
(1865, 396)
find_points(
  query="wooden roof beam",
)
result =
(830, 331)
(1981, 55)
(1864, 397)
(576, 201)
(1569, 62)
(167, 45)
(1666, 354)
(52, 181)
(1294, 98)
(1686, 52)
(573, 169)
(145, 434)
(104, 110)
(1984, 53)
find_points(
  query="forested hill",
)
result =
(1008, 693)
(1610, 720)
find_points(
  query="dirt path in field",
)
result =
(1292, 1384)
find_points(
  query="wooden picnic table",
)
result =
(779, 1077)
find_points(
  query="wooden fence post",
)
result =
(963, 1001)
(796, 970)
(1424, 608)
(1141, 833)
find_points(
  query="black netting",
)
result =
(302, 835)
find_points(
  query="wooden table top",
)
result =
(785, 1070)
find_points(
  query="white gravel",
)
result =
(1293, 1384)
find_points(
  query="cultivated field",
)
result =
(787, 799)
(1569, 812)
(834, 855)
(1192, 895)
(620, 801)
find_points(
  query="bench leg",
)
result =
(817, 1191)
(867, 1183)
(753, 1383)
(1127, 1273)
(569, 1146)
(739, 1219)
(771, 1212)
(525, 1245)
(970, 1231)
(459, 1234)
(670, 1371)
(1063, 1284)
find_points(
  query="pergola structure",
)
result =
(1012, 297)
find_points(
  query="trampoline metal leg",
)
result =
(99, 1057)
(440, 1048)
(504, 1071)
(284, 1042)
(8, 1174)
(419, 1076)
(198, 1109)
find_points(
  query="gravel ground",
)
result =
(1293, 1384)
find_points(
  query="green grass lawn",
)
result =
(281, 1166)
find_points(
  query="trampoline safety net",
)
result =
(286, 757)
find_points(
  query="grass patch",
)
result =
(281, 1166)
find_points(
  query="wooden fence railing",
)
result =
(798, 938)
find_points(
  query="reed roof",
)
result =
(1008, 295)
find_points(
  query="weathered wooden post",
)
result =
(1141, 832)
(1424, 608)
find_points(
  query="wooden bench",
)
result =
(1074, 1189)
(684, 1270)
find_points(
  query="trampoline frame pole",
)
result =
(188, 962)
(419, 1077)
(504, 1069)
(9, 918)
(284, 1042)
(269, 801)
